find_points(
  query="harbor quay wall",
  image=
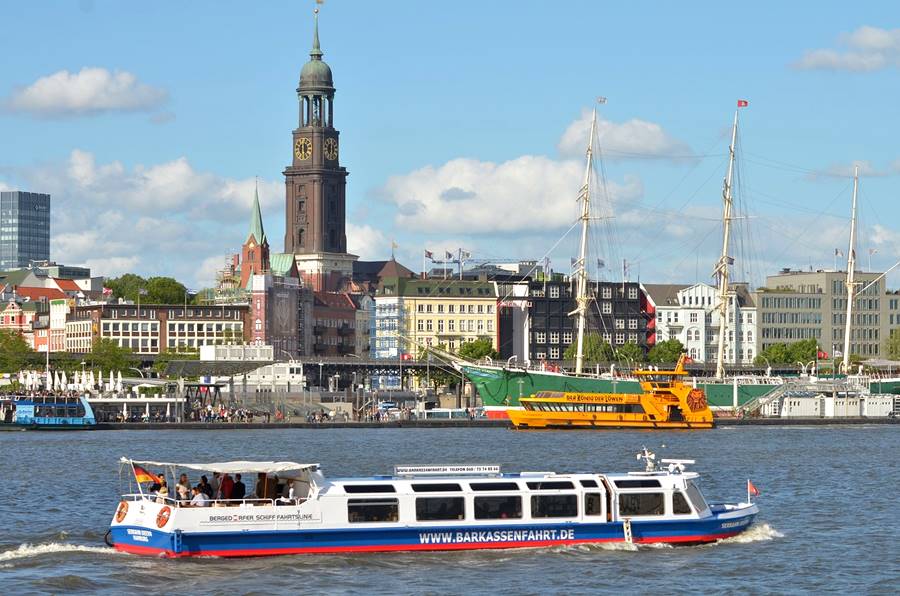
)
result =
(459, 424)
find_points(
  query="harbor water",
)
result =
(828, 521)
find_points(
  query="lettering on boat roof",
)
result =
(435, 470)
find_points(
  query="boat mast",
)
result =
(581, 297)
(725, 260)
(851, 266)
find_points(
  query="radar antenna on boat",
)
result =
(649, 459)
(676, 466)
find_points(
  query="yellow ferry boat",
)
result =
(666, 403)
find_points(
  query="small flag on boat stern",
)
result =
(142, 475)
(751, 489)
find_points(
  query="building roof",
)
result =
(438, 288)
(664, 294)
(316, 75)
(256, 224)
(744, 295)
(14, 277)
(39, 293)
(67, 285)
(334, 300)
(282, 263)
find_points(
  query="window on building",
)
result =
(554, 353)
(632, 293)
(490, 325)
(607, 293)
(428, 308)
(633, 338)
(620, 323)
(632, 323)
(606, 308)
(540, 337)
(428, 325)
(421, 308)
(440, 308)
(620, 338)
(451, 325)
(440, 325)
(554, 337)
(607, 337)
(554, 291)
(471, 326)
(567, 337)
(451, 308)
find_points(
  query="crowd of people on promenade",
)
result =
(223, 413)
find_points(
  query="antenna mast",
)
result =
(725, 260)
(581, 298)
(851, 266)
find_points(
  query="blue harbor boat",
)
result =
(46, 412)
(295, 509)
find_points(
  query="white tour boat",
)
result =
(296, 509)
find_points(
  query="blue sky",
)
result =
(461, 125)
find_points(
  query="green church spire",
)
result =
(256, 225)
(316, 53)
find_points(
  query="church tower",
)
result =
(255, 251)
(315, 182)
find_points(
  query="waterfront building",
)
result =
(21, 319)
(315, 182)
(334, 329)
(59, 311)
(153, 328)
(25, 227)
(688, 313)
(800, 305)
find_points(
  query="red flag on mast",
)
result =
(743, 103)
(752, 490)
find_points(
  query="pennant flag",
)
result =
(743, 103)
(752, 490)
(838, 252)
(448, 255)
(429, 255)
(872, 251)
(142, 475)
(822, 355)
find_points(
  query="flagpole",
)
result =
(134, 475)
(748, 491)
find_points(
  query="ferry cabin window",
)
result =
(550, 485)
(641, 504)
(589, 483)
(440, 508)
(554, 506)
(445, 487)
(369, 488)
(498, 507)
(478, 486)
(679, 504)
(372, 510)
(639, 483)
(593, 504)
(696, 497)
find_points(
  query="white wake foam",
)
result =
(26, 550)
(756, 533)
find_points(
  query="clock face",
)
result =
(331, 148)
(303, 148)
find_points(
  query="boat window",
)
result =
(641, 483)
(696, 497)
(549, 485)
(436, 488)
(369, 488)
(589, 483)
(498, 507)
(593, 504)
(554, 506)
(493, 486)
(440, 508)
(641, 504)
(679, 504)
(372, 510)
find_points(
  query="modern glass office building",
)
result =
(24, 228)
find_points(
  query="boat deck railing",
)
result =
(253, 502)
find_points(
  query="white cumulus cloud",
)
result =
(633, 138)
(366, 241)
(864, 50)
(91, 90)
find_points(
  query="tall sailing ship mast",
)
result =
(582, 301)
(721, 270)
(850, 283)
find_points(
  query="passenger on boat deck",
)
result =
(205, 487)
(215, 485)
(199, 499)
(183, 488)
(239, 491)
(226, 487)
(163, 492)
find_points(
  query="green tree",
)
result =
(107, 355)
(666, 352)
(14, 351)
(184, 353)
(126, 286)
(630, 353)
(165, 290)
(594, 349)
(892, 345)
(803, 351)
(774, 354)
(475, 350)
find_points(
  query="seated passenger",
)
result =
(226, 487)
(163, 493)
(183, 488)
(199, 499)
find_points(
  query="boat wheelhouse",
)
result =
(295, 509)
(666, 403)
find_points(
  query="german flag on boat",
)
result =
(142, 475)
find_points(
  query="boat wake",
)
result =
(756, 533)
(25, 551)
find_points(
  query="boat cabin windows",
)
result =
(440, 508)
(372, 510)
(550, 485)
(593, 504)
(445, 487)
(369, 488)
(641, 504)
(638, 483)
(505, 507)
(679, 504)
(588, 483)
(696, 497)
(554, 506)
(577, 407)
(479, 486)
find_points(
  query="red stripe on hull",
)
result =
(376, 548)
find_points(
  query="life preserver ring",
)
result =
(162, 518)
(121, 512)
(696, 400)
